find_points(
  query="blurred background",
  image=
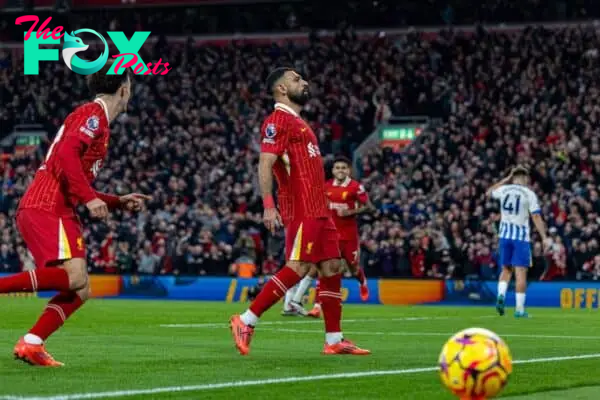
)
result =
(432, 100)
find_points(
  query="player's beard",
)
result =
(300, 98)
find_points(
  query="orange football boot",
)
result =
(242, 334)
(344, 347)
(34, 354)
(364, 292)
(315, 312)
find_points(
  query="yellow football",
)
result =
(475, 364)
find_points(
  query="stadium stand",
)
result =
(526, 96)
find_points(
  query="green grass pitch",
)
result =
(126, 347)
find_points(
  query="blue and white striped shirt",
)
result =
(517, 203)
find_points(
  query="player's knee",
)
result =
(521, 276)
(78, 279)
(331, 267)
(301, 268)
(86, 292)
(77, 270)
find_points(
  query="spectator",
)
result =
(246, 246)
(9, 262)
(503, 99)
(25, 259)
(124, 258)
(148, 262)
(243, 267)
(270, 266)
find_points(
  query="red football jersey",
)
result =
(72, 162)
(346, 196)
(299, 170)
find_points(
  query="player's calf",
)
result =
(56, 313)
(289, 296)
(271, 293)
(503, 282)
(302, 287)
(69, 275)
(359, 275)
(520, 288)
(38, 280)
(331, 303)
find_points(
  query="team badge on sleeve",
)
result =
(270, 133)
(91, 125)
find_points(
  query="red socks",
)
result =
(360, 276)
(274, 290)
(36, 281)
(331, 302)
(61, 307)
(318, 292)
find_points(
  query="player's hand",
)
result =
(343, 213)
(98, 208)
(272, 219)
(134, 201)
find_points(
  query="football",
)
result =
(475, 364)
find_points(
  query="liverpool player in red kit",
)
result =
(46, 215)
(290, 151)
(347, 199)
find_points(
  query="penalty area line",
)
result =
(263, 382)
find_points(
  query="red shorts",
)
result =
(311, 240)
(350, 250)
(50, 237)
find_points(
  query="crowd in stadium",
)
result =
(190, 139)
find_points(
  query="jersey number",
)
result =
(56, 140)
(510, 206)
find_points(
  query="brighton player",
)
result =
(347, 199)
(517, 203)
(46, 216)
(289, 150)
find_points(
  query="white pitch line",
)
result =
(317, 321)
(262, 382)
(448, 334)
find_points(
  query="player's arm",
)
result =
(365, 204)
(273, 145)
(129, 202)
(271, 218)
(536, 216)
(266, 162)
(358, 210)
(497, 185)
(540, 225)
(112, 202)
(69, 156)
